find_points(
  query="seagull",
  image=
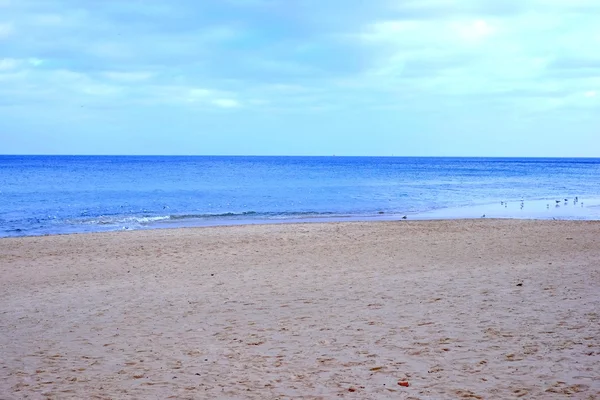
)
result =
(404, 217)
(557, 201)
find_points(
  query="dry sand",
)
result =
(457, 309)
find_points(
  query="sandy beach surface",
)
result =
(471, 309)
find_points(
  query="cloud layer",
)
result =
(402, 74)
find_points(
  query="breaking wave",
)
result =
(147, 220)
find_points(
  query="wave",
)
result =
(257, 215)
(114, 220)
(199, 216)
(108, 222)
(146, 220)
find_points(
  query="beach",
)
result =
(456, 309)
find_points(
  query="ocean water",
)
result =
(65, 194)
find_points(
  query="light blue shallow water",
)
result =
(60, 194)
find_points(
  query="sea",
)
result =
(41, 195)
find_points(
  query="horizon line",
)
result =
(283, 155)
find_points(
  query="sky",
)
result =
(301, 77)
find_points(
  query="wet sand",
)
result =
(464, 309)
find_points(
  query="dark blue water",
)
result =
(60, 194)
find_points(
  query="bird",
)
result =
(404, 217)
(557, 201)
(483, 216)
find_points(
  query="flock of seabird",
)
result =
(505, 204)
(575, 201)
(558, 202)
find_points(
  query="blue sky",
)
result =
(313, 77)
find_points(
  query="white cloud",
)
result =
(197, 94)
(36, 62)
(7, 64)
(474, 30)
(183, 95)
(213, 97)
(473, 51)
(6, 30)
(40, 86)
(399, 50)
(226, 103)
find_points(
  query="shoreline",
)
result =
(297, 222)
(537, 210)
(455, 309)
